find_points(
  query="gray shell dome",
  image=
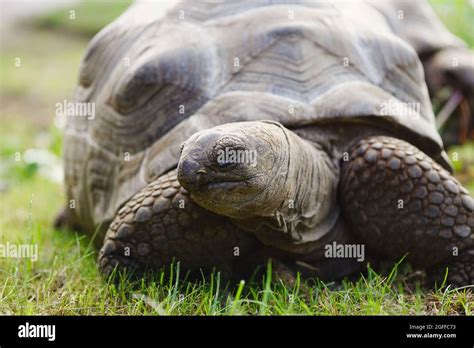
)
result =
(157, 77)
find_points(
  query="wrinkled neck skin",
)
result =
(304, 204)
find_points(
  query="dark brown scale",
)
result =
(432, 202)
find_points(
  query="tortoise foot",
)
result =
(458, 271)
(65, 220)
(161, 225)
(399, 201)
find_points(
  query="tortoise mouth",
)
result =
(199, 184)
(199, 177)
(224, 185)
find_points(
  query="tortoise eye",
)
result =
(223, 153)
(225, 164)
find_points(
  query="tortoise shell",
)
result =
(156, 77)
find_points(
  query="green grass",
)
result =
(65, 280)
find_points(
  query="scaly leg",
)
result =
(161, 224)
(398, 201)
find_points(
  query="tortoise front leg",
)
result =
(65, 219)
(398, 201)
(161, 224)
(460, 270)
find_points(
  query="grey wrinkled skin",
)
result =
(269, 192)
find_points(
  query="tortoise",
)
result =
(228, 133)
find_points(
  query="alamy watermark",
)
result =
(396, 107)
(79, 109)
(352, 251)
(27, 251)
(28, 330)
(231, 155)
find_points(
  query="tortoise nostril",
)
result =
(200, 180)
(188, 168)
(190, 174)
